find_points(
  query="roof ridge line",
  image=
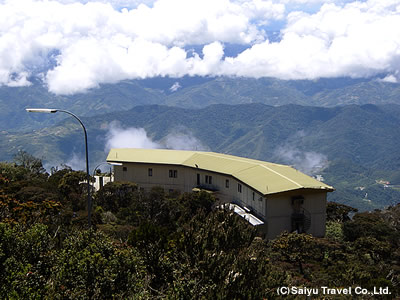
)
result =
(283, 176)
(257, 164)
(242, 159)
(233, 174)
(190, 157)
(226, 156)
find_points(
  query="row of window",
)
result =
(209, 181)
(171, 173)
(208, 178)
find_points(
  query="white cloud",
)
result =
(117, 4)
(210, 64)
(309, 162)
(176, 86)
(98, 42)
(179, 140)
(119, 137)
(390, 78)
(358, 40)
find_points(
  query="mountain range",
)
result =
(353, 147)
(189, 92)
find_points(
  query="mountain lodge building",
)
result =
(271, 196)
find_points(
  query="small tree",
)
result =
(339, 212)
(294, 248)
(29, 162)
(72, 189)
(116, 195)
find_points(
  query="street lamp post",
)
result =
(89, 197)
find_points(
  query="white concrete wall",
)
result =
(279, 211)
(138, 173)
(275, 210)
(187, 180)
(106, 179)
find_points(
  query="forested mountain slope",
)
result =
(352, 146)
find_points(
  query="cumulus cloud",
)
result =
(98, 42)
(357, 40)
(77, 46)
(119, 137)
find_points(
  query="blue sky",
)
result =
(74, 46)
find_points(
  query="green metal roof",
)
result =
(265, 177)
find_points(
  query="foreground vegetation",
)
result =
(156, 245)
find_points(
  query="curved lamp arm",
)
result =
(54, 110)
(103, 163)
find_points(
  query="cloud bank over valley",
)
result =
(74, 46)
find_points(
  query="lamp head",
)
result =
(42, 110)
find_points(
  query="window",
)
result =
(124, 169)
(239, 188)
(198, 179)
(150, 172)
(208, 179)
(227, 183)
(253, 196)
(173, 173)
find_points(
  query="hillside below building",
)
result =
(271, 196)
